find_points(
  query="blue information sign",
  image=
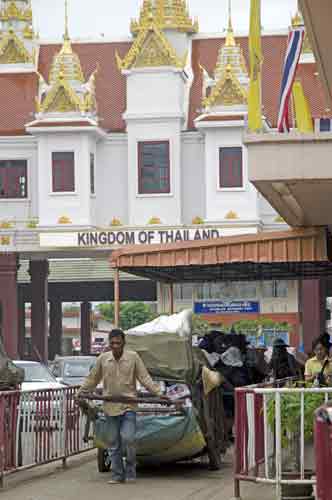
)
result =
(225, 307)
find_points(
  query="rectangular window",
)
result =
(325, 125)
(153, 167)
(63, 172)
(92, 173)
(275, 289)
(183, 292)
(230, 168)
(13, 179)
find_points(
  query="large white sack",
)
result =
(179, 324)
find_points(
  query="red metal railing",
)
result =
(39, 427)
(269, 452)
(323, 450)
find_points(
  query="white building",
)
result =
(101, 139)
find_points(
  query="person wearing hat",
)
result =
(318, 369)
(282, 365)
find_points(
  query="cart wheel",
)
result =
(103, 460)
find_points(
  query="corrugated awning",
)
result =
(298, 253)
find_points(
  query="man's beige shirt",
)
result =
(119, 379)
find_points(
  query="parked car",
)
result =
(72, 370)
(37, 377)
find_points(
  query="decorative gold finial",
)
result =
(66, 35)
(66, 48)
(297, 20)
(230, 40)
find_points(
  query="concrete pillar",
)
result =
(9, 303)
(55, 329)
(85, 328)
(116, 298)
(313, 310)
(21, 324)
(39, 309)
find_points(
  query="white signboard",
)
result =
(91, 239)
(111, 239)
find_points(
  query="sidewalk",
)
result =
(81, 481)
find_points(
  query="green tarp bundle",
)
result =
(161, 439)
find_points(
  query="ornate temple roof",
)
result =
(19, 90)
(151, 48)
(17, 35)
(67, 91)
(167, 14)
(230, 82)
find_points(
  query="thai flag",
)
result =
(293, 53)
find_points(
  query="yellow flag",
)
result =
(303, 116)
(255, 122)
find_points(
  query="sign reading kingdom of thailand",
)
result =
(90, 239)
(225, 307)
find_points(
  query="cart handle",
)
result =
(124, 400)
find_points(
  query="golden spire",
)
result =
(66, 47)
(166, 14)
(230, 40)
(66, 62)
(297, 19)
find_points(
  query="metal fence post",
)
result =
(278, 456)
(2, 441)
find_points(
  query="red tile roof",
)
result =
(17, 102)
(111, 85)
(205, 52)
(18, 91)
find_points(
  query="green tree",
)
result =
(199, 325)
(107, 311)
(134, 314)
(131, 314)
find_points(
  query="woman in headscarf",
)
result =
(283, 364)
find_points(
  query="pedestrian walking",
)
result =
(119, 370)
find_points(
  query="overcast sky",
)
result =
(91, 18)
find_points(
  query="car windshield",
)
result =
(36, 373)
(78, 368)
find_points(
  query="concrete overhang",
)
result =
(318, 19)
(294, 173)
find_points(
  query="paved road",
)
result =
(81, 481)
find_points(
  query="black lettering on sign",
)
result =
(150, 237)
(178, 236)
(169, 236)
(130, 238)
(142, 237)
(186, 235)
(82, 239)
(197, 235)
(206, 234)
(120, 238)
(93, 239)
(161, 235)
(215, 233)
(102, 239)
(111, 238)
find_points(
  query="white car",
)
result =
(37, 377)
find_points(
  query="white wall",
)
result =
(77, 205)
(17, 149)
(192, 177)
(221, 201)
(144, 206)
(155, 91)
(112, 180)
(154, 112)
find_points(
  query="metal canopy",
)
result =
(294, 254)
